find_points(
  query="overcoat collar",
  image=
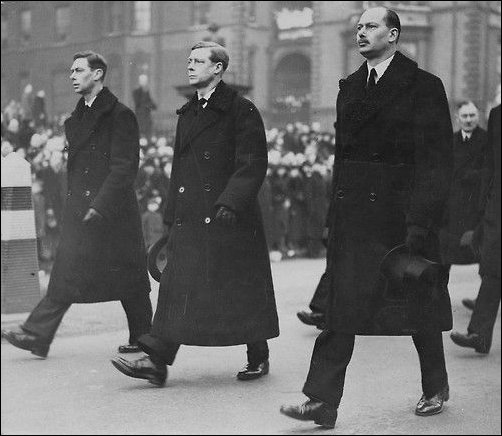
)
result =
(78, 127)
(219, 104)
(360, 105)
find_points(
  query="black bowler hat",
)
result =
(400, 267)
(157, 258)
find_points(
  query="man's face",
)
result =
(468, 117)
(373, 36)
(200, 69)
(82, 77)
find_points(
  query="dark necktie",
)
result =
(371, 81)
(202, 102)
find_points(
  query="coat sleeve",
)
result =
(124, 162)
(433, 155)
(250, 159)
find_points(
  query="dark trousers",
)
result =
(332, 354)
(319, 301)
(164, 352)
(45, 319)
(486, 309)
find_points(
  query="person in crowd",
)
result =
(39, 110)
(393, 163)
(470, 149)
(152, 222)
(486, 239)
(216, 289)
(143, 106)
(101, 256)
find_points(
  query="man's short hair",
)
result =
(95, 61)
(392, 21)
(218, 52)
(463, 103)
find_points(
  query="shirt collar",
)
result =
(208, 94)
(91, 101)
(466, 135)
(380, 68)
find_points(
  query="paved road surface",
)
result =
(77, 391)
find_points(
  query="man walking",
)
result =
(101, 256)
(392, 169)
(216, 289)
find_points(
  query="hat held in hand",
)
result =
(156, 260)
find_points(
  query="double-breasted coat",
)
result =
(464, 211)
(100, 261)
(216, 288)
(392, 169)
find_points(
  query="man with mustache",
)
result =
(392, 169)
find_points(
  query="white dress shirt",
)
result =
(379, 68)
(207, 96)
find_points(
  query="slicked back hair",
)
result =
(95, 61)
(392, 21)
(218, 52)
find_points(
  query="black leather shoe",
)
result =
(250, 372)
(470, 340)
(313, 410)
(312, 318)
(142, 368)
(26, 341)
(469, 303)
(433, 405)
(129, 348)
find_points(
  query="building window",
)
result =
(201, 12)
(26, 25)
(5, 31)
(115, 17)
(62, 23)
(142, 16)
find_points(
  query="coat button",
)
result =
(207, 220)
(376, 157)
(178, 222)
(69, 193)
(207, 155)
(340, 193)
(207, 187)
(373, 196)
(86, 171)
(87, 193)
(181, 189)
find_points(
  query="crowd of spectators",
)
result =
(294, 197)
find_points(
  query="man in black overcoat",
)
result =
(470, 151)
(392, 170)
(101, 255)
(486, 239)
(216, 289)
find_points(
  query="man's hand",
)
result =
(226, 216)
(416, 239)
(92, 217)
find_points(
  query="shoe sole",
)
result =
(126, 371)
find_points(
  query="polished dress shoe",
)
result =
(433, 405)
(312, 318)
(469, 303)
(251, 372)
(470, 340)
(142, 368)
(129, 348)
(26, 341)
(313, 410)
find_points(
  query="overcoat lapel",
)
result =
(361, 106)
(81, 124)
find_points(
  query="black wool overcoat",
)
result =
(103, 261)
(392, 169)
(216, 288)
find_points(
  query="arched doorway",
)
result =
(291, 90)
